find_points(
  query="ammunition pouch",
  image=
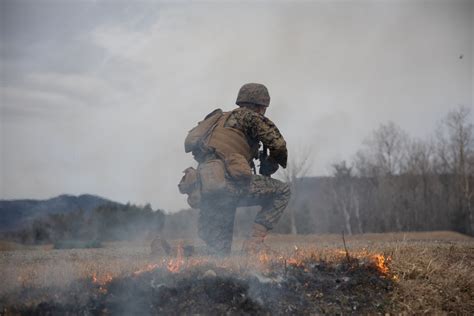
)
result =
(189, 185)
(238, 168)
(212, 176)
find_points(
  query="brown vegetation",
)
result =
(434, 278)
(429, 272)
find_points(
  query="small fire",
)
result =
(263, 262)
(174, 265)
(147, 268)
(263, 258)
(294, 262)
(381, 262)
(102, 281)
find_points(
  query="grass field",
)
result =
(432, 272)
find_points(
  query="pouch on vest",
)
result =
(212, 176)
(189, 181)
(197, 136)
(189, 185)
(194, 199)
(238, 167)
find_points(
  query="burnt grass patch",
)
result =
(310, 287)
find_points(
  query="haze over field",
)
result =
(97, 96)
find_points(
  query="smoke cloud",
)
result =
(97, 97)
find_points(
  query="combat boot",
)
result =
(255, 243)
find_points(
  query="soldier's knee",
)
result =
(283, 195)
(286, 191)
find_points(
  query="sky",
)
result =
(97, 96)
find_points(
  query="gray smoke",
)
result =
(98, 96)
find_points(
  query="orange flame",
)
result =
(263, 258)
(147, 268)
(102, 281)
(294, 262)
(174, 265)
(381, 262)
(265, 261)
(94, 278)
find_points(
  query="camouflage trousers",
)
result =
(217, 213)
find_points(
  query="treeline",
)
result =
(108, 222)
(394, 183)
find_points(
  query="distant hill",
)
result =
(16, 213)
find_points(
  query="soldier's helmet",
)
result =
(255, 93)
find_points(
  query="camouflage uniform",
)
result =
(216, 218)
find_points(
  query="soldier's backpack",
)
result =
(197, 136)
(211, 176)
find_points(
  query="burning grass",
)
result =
(303, 283)
(398, 276)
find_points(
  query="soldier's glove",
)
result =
(268, 167)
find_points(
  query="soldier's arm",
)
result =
(264, 130)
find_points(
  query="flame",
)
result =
(147, 268)
(108, 278)
(294, 262)
(102, 281)
(264, 258)
(266, 262)
(381, 263)
(174, 265)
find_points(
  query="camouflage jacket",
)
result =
(258, 128)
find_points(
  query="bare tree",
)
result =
(381, 158)
(298, 167)
(455, 152)
(383, 152)
(346, 199)
(418, 181)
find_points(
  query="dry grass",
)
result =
(434, 278)
(11, 246)
(434, 272)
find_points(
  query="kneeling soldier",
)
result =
(225, 144)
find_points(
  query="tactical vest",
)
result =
(227, 140)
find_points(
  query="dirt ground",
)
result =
(430, 272)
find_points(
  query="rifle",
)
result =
(262, 156)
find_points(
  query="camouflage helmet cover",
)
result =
(254, 93)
